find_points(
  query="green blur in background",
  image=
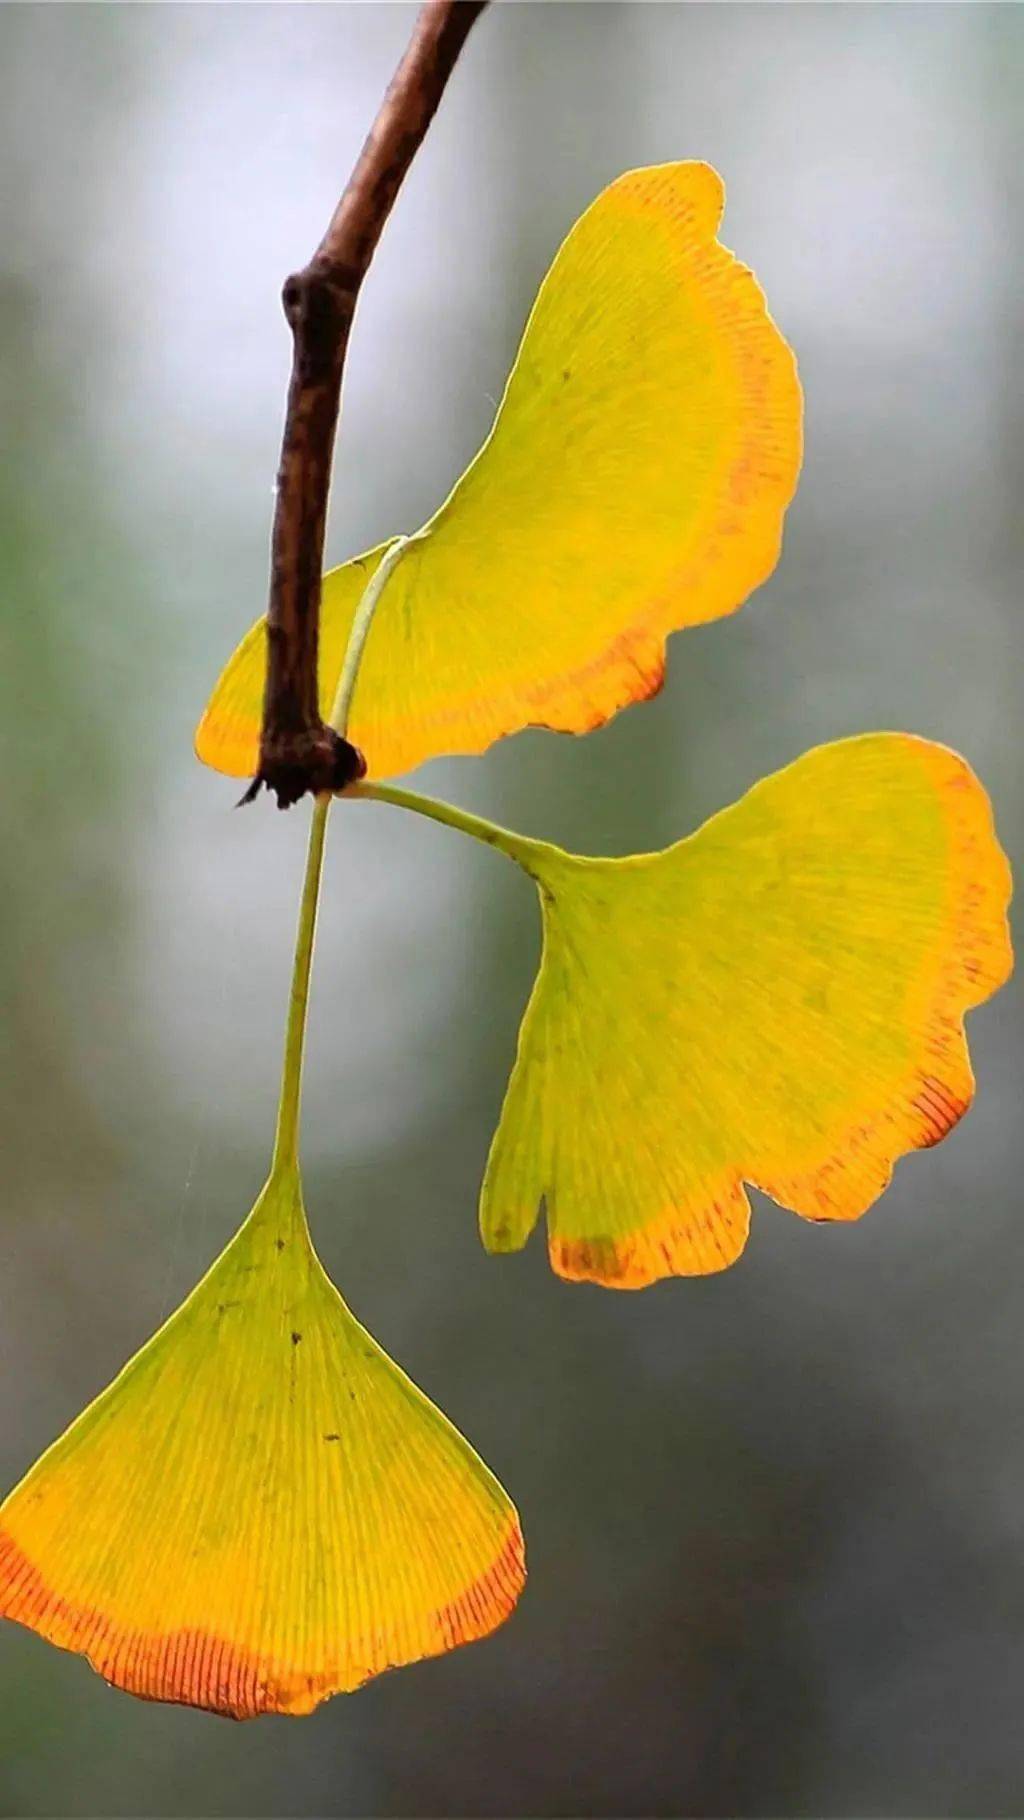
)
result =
(775, 1517)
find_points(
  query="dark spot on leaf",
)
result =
(279, 1244)
(296, 1337)
(332, 1437)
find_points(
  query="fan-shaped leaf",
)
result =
(261, 1510)
(634, 482)
(778, 1000)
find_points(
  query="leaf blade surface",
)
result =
(778, 1000)
(634, 483)
(261, 1510)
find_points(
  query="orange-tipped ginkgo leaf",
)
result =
(634, 482)
(778, 1000)
(261, 1510)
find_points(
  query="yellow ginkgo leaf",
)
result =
(634, 482)
(261, 1510)
(778, 1000)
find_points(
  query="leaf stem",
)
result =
(362, 620)
(526, 853)
(286, 1141)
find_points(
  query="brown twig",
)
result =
(297, 751)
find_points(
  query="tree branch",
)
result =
(298, 752)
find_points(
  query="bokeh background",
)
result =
(775, 1518)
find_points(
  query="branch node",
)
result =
(298, 753)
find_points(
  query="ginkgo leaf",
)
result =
(634, 482)
(777, 1000)
(261, 1510)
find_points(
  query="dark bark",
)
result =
(298, 752)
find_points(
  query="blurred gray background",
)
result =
(774, 1518)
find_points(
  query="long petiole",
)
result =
(361, 622)
(516, 846)
(286, 1141)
